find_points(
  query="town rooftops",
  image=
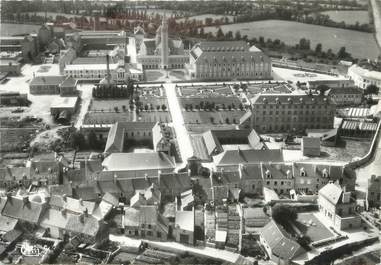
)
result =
(64, 102)
(7, 223)
(185, 220)
(138, 161)
(90, 67)
(23, 209)
(50, 80)
(280, 241)
(222, 46)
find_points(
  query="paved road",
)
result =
(86, 96)
(182, 135)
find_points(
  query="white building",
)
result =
(228, 60)
(364, 77)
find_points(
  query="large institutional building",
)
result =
(364, 77)
(161, 52)
(214, 60)
(288, 112)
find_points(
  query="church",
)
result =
(161, 52)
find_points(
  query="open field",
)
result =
(17, 29)
(348, 16)
(359, 44)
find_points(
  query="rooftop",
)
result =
(64, 102)
(47, 80)
(185, 220)
(137, 161)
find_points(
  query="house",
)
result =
(7, 224)
(68, 87)
(374, 191)
(327, 137)
(11, 177)
(337, 205)
(254, 218)
(45, 171)
(331, 83)
(163, 139)
(23, 209)
(350, 96)
(64, 107)
(46, 85)
(184, 227)
(145, 222)
(310, 146)
(279, 245)
(278, 177)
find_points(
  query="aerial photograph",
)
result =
(190, 132)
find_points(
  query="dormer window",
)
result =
(325, 173)
(302, 172)
(268, 174)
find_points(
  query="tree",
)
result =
(93, 140)
(238, 35)
(77, 140)
(371, 90)
(283, 214)
(341, 54)
(220, 35)
(322, 89)
(318, 48)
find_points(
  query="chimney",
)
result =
(82, 218)
(25, 199)
(86, 212)
(108, 77)
(63, 212)
(288, 174)
(64, 197)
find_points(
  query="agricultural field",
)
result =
(348, 16)
(359, 44)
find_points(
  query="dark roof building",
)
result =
(279, 244)
(246, 157)
(23, 209)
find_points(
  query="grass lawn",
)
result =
(310, 226)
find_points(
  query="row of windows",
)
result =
(295, 106)
(229, 74)
(295, 119)
(295, 112)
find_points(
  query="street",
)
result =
(182, 135)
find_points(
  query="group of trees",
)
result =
(113, 91)
(210, 106)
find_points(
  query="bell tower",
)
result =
(164, 43)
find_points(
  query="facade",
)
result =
(336, 83)
(337, 205)
(46, 85)
(13, 99)
(145, 222)
(291, 113)
(228, 60)
(364, 77)
(349, 96)
(310, 146)
(374, 191)
(184, 227)
(161, 52)
(68, 87)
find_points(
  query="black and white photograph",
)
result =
(203, 132)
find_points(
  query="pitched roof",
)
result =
(108, 197)
(87, 193)
(79, 206)
(47, 80)
(185, 220)
(280, 242)
(53, 217)
(7, 223)
(174, 181)
(212, 144)
(277, 170)
(310, 142)
(138, 161)
(14, 173)
(87, 225)
(235, 157)
(131, 217)
(102, 209)
(61, 189)
(332, 192)
(23, 209)
(69, 82)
